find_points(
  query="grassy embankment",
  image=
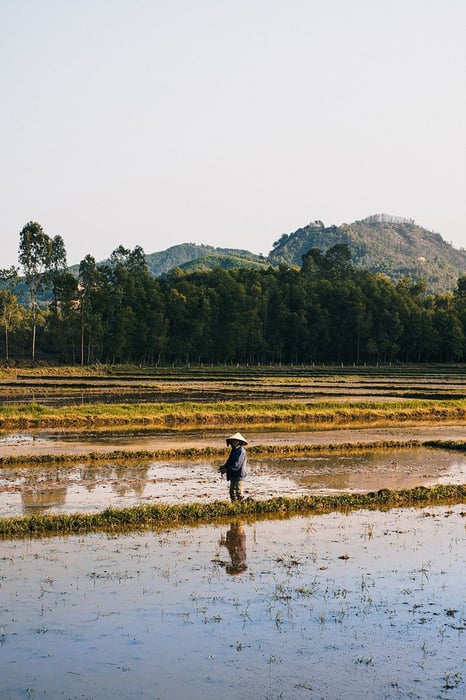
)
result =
(357, 413)
(165, 516)
(202, 453)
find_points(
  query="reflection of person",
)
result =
(235, 542)
(235, 466)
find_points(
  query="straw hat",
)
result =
(237, 436)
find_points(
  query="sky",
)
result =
(228, 122)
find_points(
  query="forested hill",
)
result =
(391, 245)
(190, 257)
(326, 310)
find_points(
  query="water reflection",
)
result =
(82, 616)
(43, 498)
(89, 486)
(80, 487)
(235, 542)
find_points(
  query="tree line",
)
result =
(116, 312)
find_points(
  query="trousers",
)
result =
(236, 489)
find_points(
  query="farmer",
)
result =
(235, 466)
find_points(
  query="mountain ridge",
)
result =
(183, 254)
(391, 245)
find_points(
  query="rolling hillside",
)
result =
(390, 245)
(185, 256)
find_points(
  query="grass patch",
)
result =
(36, 415)
(152, 516)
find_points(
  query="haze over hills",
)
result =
(394, 246)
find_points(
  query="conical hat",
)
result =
(237, 436)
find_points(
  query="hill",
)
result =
(383, 244)
(226, 262)
(185, 256)
(390, 245)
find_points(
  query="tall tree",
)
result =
(35, 254)
(9, 307)
(88, 281)
(56, 267)
(63, 321)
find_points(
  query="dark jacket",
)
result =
(236, 464)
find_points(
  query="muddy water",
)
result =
(86, 487)
(326, 607)
(62, 442)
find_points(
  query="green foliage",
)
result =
(10, 310)
(186, 254)
(391, 246)
(328, 311)
(225, 262)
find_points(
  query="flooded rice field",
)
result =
(329, 607)
(310, 384)
(326, 607)
(87, 485)
(90, 486)
(59, 441)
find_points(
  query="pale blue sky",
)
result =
(228, 122)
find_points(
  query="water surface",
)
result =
(367, 605)
(87, 486)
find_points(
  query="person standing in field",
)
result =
(236, 466)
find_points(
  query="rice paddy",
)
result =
(124, 571)
(368, 604)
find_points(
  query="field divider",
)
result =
(220, 414)
(167, 516)
(200, 453)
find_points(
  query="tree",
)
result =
(450, 332)
(338, 261)
(313, 264)
(9, 308)
(35, 255)
(335, 264)
(56, 267)
(88, 281)
(62, 322)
